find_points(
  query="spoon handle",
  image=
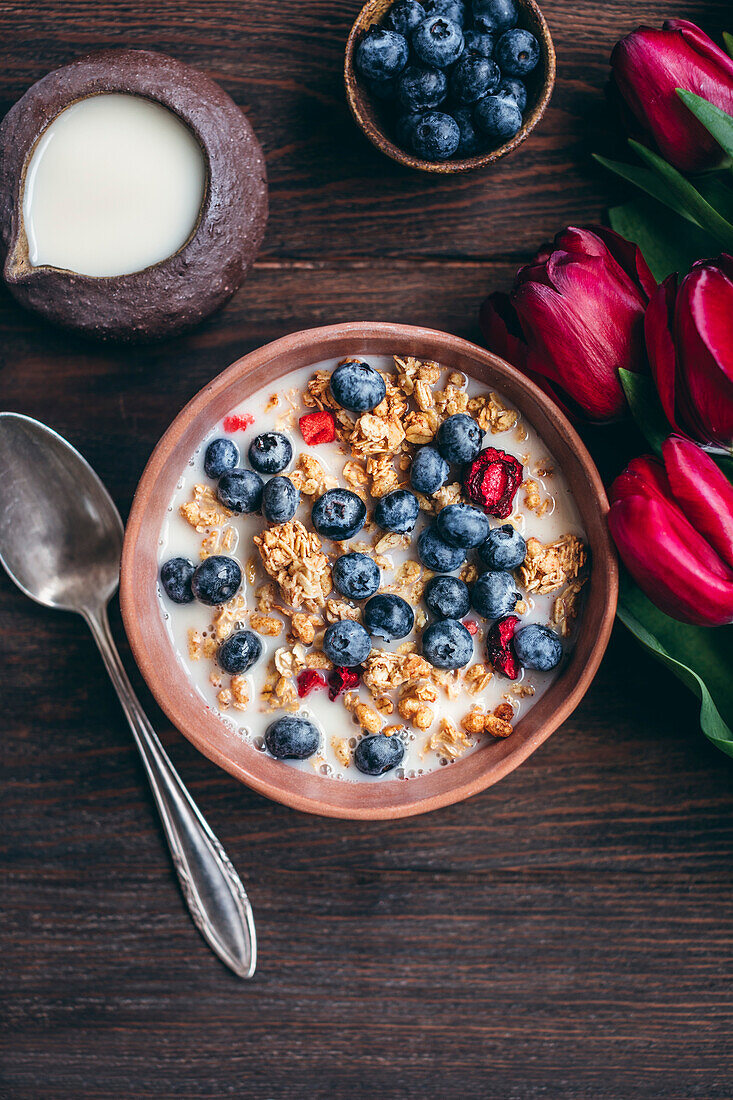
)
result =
(211, 887)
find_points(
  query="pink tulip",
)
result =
(648, 65)
(673, 525)
(574, 316)
(689, 337)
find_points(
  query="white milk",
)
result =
(115, 184)
(179, 539)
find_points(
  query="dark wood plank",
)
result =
(566, 934)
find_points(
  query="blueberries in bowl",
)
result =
(397, 511)
(338, 514)
(429, 471)
(280, 500)
(221, 455)
(270, 452)
(537, 647)
(447, 644)
(357, 387)
(175, 576)
(447, 597)
(346, 643)
(517, 52)
(473, 76)
(471, 142)
(479, 42)
(389, 617)
(436, 136)
(498, 116)
(216, 580)
(504, 548)
(420, 88)
(494, 594)
(494, 16)
(239, 652)
(437, 41)
(451, 9)
(378, 754)
(292, 738)
(241, 491)
(436, 554)
(404, 16)
(462, 525)
(356, 576)
(459, 438)
(381, 53)
(511, 85)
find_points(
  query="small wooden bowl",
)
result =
(370, 115)
(174, 690)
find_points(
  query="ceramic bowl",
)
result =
(169, 681)
(371, 115)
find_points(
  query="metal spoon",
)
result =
(60, 541)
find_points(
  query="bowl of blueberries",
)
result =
(449, 85)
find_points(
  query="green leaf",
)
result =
(699, 208)
(668, 243)
(646, 408)
(718, 123)
(649, 182)
(695, 654)
(728, 42)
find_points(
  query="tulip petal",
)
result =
(704, 338)
(665, 566)
(701, 43)
(658, 326)
(703, 492)
(628, 256)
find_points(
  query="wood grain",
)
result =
(567, 934)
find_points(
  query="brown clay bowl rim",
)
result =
(367, 118)
(168, 680)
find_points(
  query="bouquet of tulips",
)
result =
(589, 322)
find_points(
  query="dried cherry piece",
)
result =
(308, 680)
(492, 480)
(238, 423)
(341, 679)
(318, 427)
(471, 626)
(499, 647)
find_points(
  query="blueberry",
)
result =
(404, 16)
(383, 89)
(338, 514)
(470, 142)
(463, 526)
(436, 554)
(436, 136)
(510, 85)
(459, 438)
(494, 16)
(378, 754)
(357, 386)
(221, 455)
(405, 127)
(429, 471)
(216, 580)
(437, 41)
(472, 77)
(504, 548)
(420, 88)
(397, 511)
(537, 647)
(447, 597)
(346, 643)
(479, 42)
(240, 490)
(381, 53)
(239, 652)
(356, 576)
(517, 52)
(447, 644)
(498, 116)
(494, 594)
(280, 500)
(292, 738)
(454, 10)
(175, 576)
(270, 452)
(388, 617)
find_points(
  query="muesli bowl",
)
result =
(175, 691)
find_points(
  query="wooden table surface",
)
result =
(565, 934)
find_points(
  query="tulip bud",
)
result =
(574, 316)
(649, 65)
(689, 339)
(671, 524)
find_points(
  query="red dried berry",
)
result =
(471, 626)
(238, 423)
(308, 680)
(491, 481)
(499, 647)
(341, 679)
(318, 427)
